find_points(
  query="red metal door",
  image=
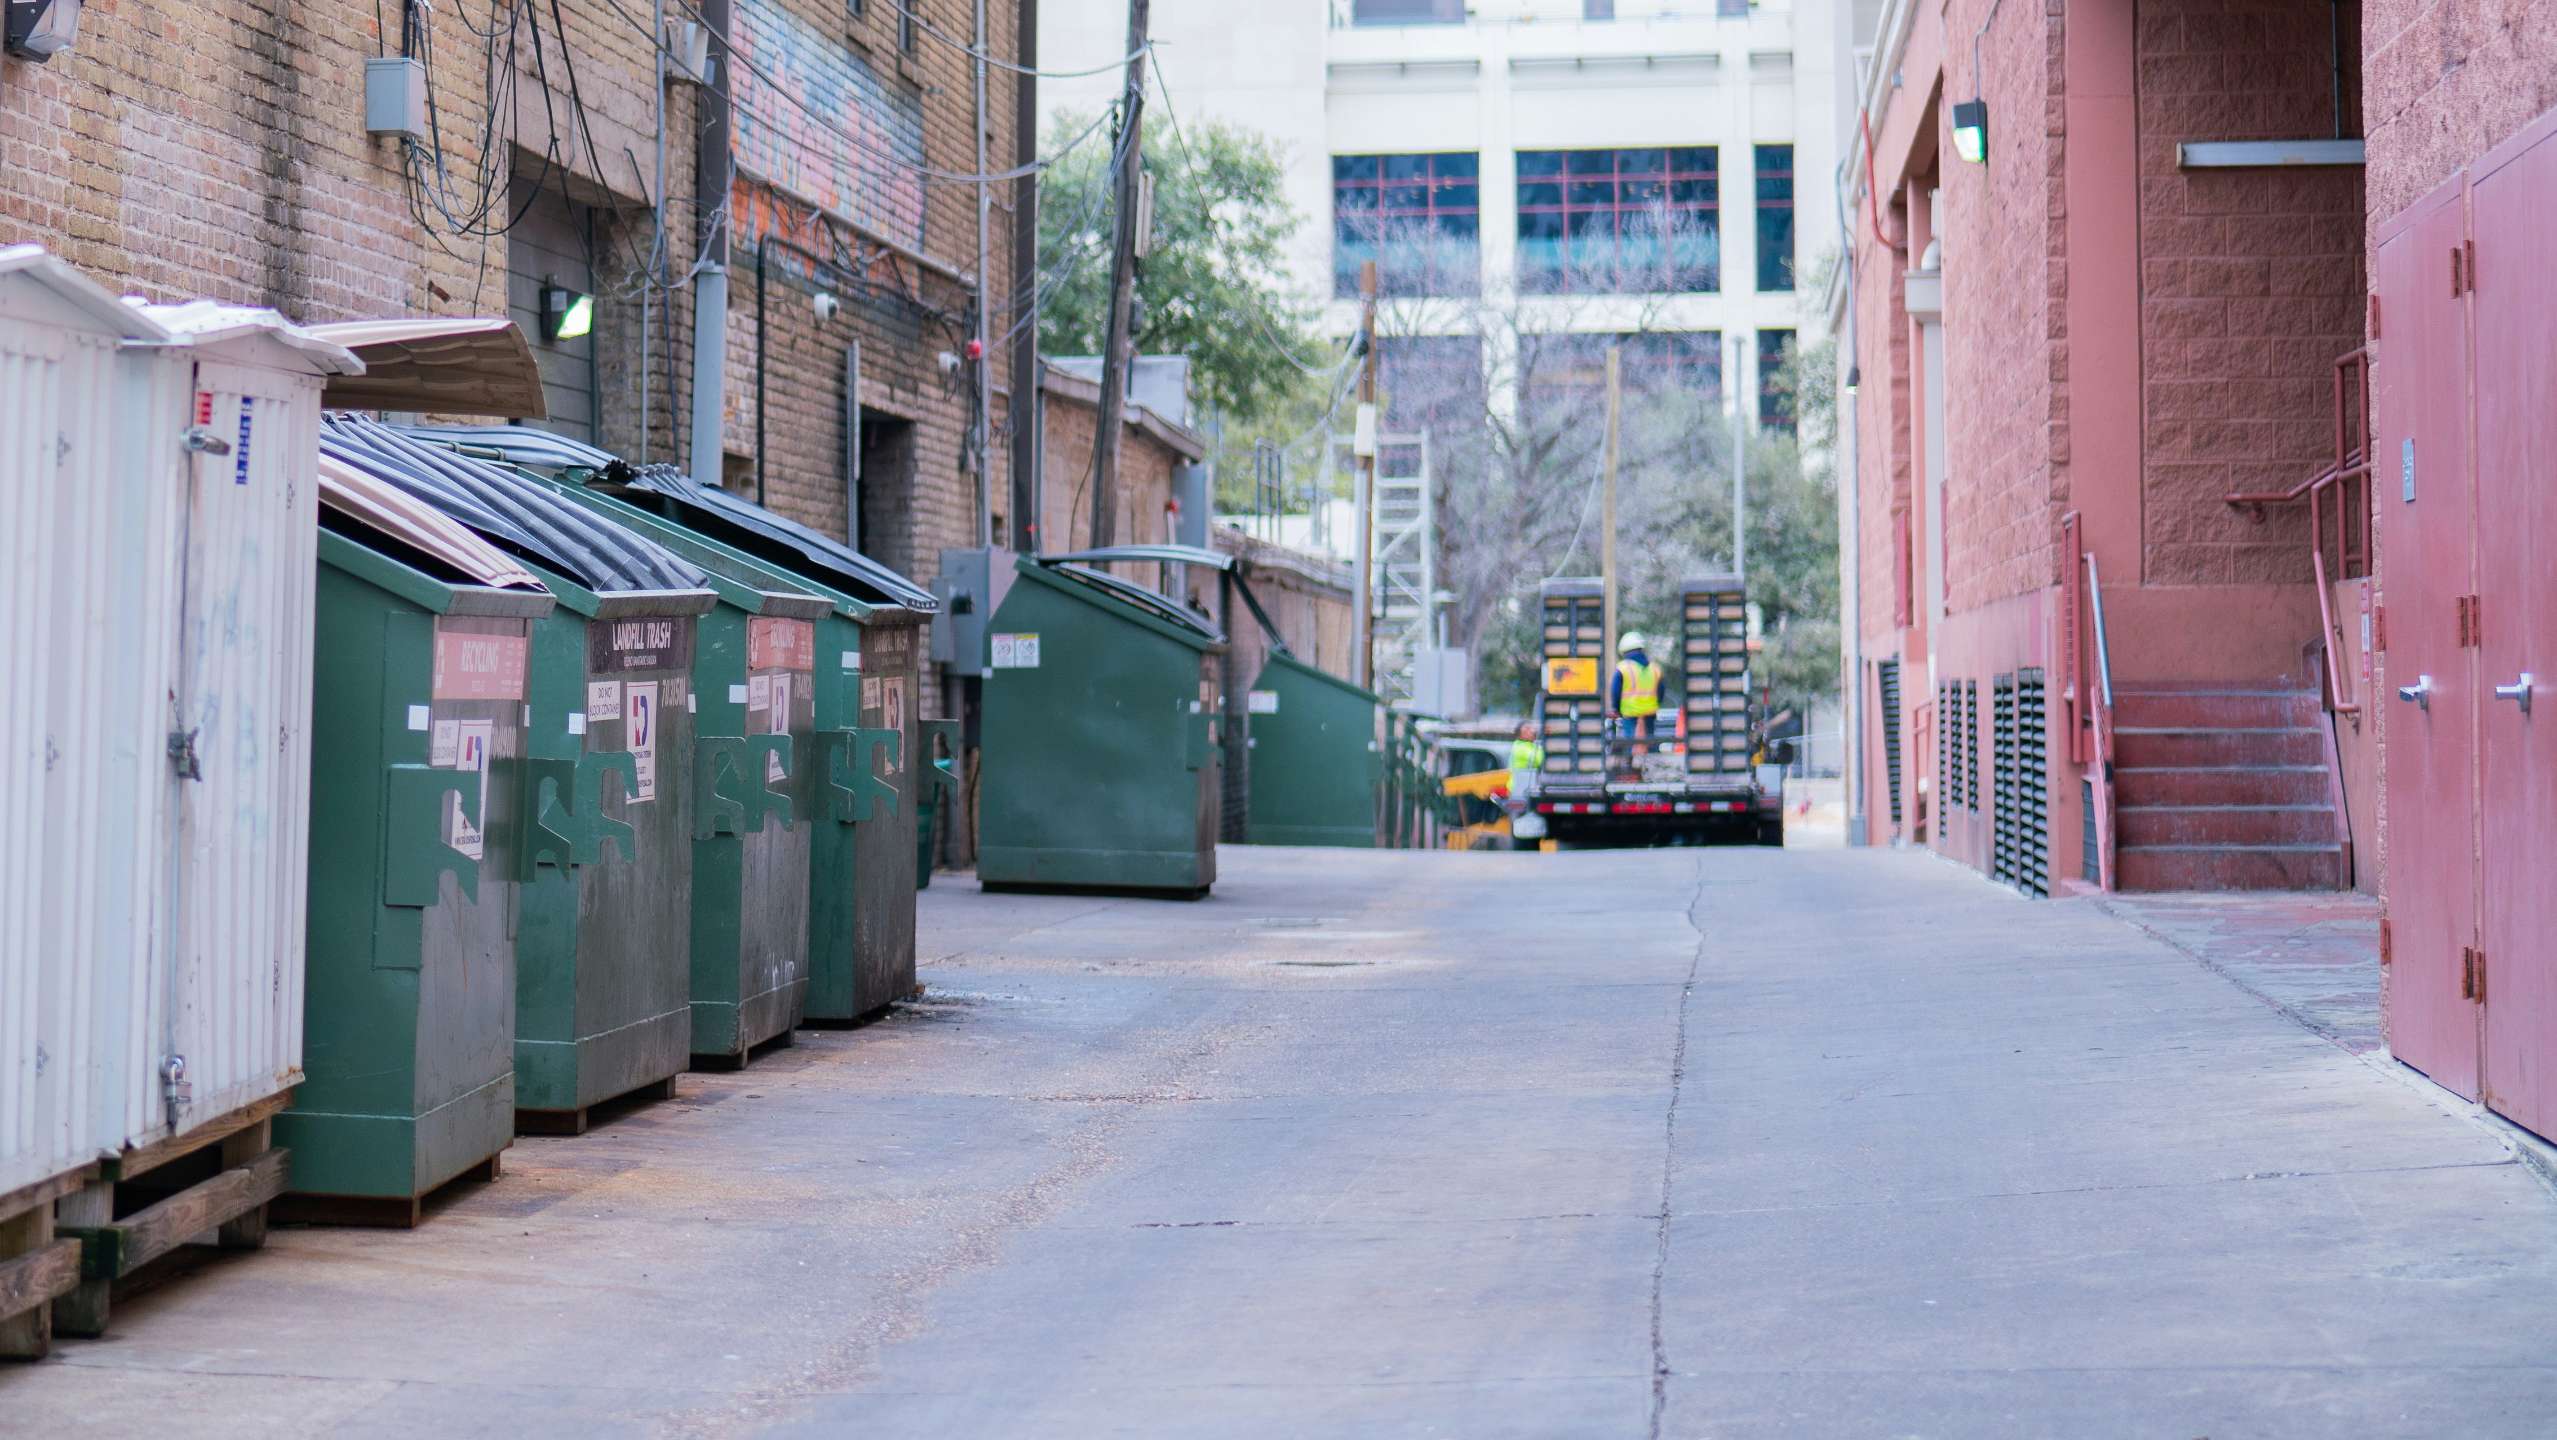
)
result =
(2516, 624)
(2424, 491)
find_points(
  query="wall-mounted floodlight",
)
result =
(566, 314)
(1971, 130)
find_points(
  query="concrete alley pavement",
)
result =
(1714, 1142)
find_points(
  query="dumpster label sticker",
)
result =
(240, 453)
(446, 744)
(603, 699)
(778, 696)
(870, 695)
(1263, 702)
(852, 659)
(576, 723)
(1017, 652)
(639, 729)
(758, 693)
(640, 642)
(417, 718)
(471, 666)
(781, 644)
(892, 701)
(461, 834)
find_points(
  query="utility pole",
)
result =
(713, 178)
(985, 307)
(1368, 433)
(1607, 512)
(1739, 471)
(1117, 344)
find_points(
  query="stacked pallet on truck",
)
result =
(1713, 668)
(1574, 726)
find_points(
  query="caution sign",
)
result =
(1571, 675)
(472, 739)
(1016, 652)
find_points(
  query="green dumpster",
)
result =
(878, 690)
(417, 745)
(1316, 758)
(603, 1004)
(1098, 768)
(860, 938)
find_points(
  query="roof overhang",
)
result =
(472, 366)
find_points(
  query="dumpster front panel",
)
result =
(603, 952)
(1314, 758)
(634, 991)
(769, 950)
(1098, 769)
(410, 1015)
(884, 871)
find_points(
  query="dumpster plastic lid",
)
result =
(34, 265)
(389, 511)
(1573, 585)
(1159, 606)
(480, 365)
(523, 445)
(210, 324)
(509, 509)
(1218, 560)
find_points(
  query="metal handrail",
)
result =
(2103, 716)
(2353, 457)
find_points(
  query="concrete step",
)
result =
(2182, 746)
(2225, 825)
(2220, 785)
(2229, 867)
(2213, 709)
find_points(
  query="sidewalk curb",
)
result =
(2527, 1150)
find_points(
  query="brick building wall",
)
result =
(2005, 296)
(2443, 81)
(186, 151)
(1148, 454)
(2251, 281)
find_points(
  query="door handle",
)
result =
(2421, 692)
(2518, 692)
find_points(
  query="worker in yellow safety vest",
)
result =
(1634, 694)
(1524, 752)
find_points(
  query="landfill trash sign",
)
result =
(639, 722)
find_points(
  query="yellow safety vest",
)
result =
(1526, 755)
(1642, 689)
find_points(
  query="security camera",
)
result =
(827, 306)
(949, 362)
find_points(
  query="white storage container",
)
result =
(80, 726)
(177, 620)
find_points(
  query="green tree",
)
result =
(1213, 285)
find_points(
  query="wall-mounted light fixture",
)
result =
(566, 314)
(1971, 130)
(38, 30)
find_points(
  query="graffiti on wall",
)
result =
(842, 137)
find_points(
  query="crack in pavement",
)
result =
(1669, 1161)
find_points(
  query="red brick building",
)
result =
(2078, 347)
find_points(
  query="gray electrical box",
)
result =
(971, 584)
(395, 96)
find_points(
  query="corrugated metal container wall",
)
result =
(81, 726)
(225, 998)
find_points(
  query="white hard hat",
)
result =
(1632, 641)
